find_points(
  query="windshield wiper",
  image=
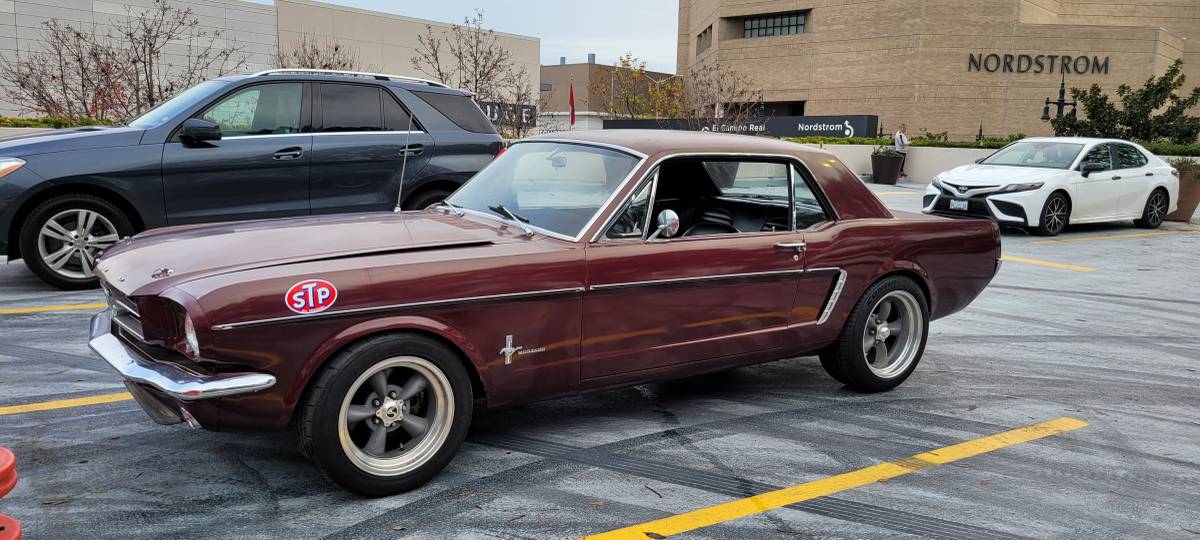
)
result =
(519, 220)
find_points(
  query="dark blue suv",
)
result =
(272, 144)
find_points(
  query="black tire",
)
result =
(72, 274)
(847, 361)
(319, 428)
(1055, 216)
(1155, 210)
(425, 199)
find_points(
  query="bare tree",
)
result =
(718, 98)
(81, 73)
(475, 59)
(309, 52)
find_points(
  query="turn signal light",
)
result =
(8, 165)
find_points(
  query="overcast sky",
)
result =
(571, 28)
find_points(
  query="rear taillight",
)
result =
(501, 152)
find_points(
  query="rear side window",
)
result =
(459, 109)
(1128, 157)
(346, 107)
(395, 118)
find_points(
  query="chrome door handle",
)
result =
(799, 247)
(412, 150)
(1116, 178)
(1149, 174)
(288, 153)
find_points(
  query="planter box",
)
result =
(1189, 197)
(885, 169)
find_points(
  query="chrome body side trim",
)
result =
(170, 379)
(321, 134)
(694, 279)
(399, 307)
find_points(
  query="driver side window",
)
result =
(1098, 154)
(263, 109)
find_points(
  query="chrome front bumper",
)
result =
(170, 379)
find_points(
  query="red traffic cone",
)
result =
(10, 529)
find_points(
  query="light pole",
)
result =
(1061, 103)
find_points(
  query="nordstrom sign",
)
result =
(1037, 63)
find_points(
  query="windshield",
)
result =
(165, 111)
(553, 186)
(1045, 154)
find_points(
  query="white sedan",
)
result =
(1046, 183)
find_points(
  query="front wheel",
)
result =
(387, 414)
(1055, 215)
(1155, 210)
(883, 339)
(426, 199)
(62, 237)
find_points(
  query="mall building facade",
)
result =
(938, 65)
(382, 42)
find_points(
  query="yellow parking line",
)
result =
(43, 309)
(1047, 264)
(65, 403)
(1117, 236)
(721, 513)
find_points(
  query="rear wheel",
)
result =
(62, 237)
(426, 199)
(884, 338)
(1155, 210)
(1056, 213)
(387, 414)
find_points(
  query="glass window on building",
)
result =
(779, 24)
(704, 40)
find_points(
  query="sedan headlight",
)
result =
(1013, 188)
(8, 165)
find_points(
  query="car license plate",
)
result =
(958, 204)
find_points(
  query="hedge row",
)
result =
(1161, 149)
(48, 122)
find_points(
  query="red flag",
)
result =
(571, 101)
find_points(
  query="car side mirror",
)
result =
(1089, 168)
(668, 225)
(195, 130)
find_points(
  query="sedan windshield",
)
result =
(170, 108)
(556, 187)
(1044, 154)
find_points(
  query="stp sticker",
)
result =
(310, 296)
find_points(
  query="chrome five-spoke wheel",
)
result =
(396, 416)
(892, 334)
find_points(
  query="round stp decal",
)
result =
(310, 296)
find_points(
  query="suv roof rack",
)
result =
(365, 75)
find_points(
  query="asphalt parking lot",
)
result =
(1099, 325)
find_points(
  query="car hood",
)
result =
(62, 140)
(995, 175)
(196, 251)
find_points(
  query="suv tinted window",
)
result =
(1098, 154)
(395, 118)
(1128, 157)
(261, 109)
(459, 109)
(346, 107)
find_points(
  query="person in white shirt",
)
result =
(901, 141)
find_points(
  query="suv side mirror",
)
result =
(196, 130)
(1089, 168)
(668, 225)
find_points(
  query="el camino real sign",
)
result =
(1037, 63)
(851, 125)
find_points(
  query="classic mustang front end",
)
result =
(158, 360)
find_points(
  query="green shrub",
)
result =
(49, 122)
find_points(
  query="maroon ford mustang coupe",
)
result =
(573, 262)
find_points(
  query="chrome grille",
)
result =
(125, 313)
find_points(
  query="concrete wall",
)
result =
(385, 42)
(247, 25)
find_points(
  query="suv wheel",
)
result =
(426, 199)
(62, 237)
